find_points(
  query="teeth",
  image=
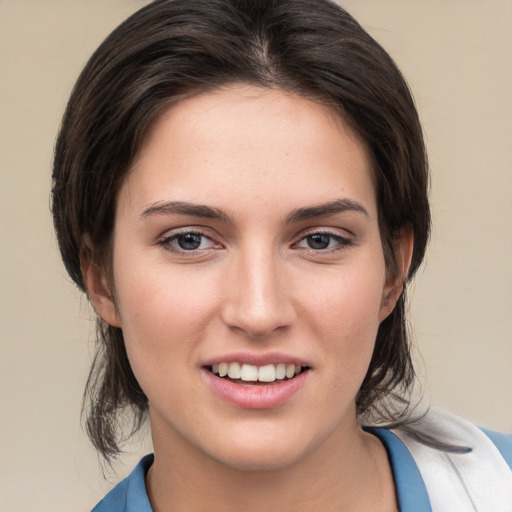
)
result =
(280, 371)
(223, 369)
(267, 373)
(252, 373)
(234, 371)
(249, 373)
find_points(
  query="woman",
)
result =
(241, 190)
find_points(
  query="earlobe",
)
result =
(97, 287)
(403, 245)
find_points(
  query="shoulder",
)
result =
(130, 494)
(463, 466)
(503, 443)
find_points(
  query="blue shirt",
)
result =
(130, 494)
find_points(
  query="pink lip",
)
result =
(255, 396)
(256, 359)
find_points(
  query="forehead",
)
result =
(265, 144)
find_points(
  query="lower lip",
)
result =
(255, 396)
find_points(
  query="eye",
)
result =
(324, 241)
(187, 241)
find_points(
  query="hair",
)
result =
(171, 49)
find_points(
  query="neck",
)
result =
(348, 472)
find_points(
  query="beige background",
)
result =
(458, 59)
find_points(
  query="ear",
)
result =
(403, 245)
(97, 286)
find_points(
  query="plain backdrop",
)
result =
(457, 57)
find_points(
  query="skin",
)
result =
(254, 284)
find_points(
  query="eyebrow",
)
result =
(208, 212)
(323, 210)
(182, 208)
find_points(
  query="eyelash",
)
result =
(342, 242)
(167, 241)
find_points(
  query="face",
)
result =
(246, 242)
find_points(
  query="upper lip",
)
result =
(256, 359)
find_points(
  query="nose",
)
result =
(258, 299)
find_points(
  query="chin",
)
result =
(261, 453)
(255, 461)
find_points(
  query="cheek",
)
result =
(348, 300)
(159, 315)
(154, 295)
(161, 329)
(344, 314)
(164, 315)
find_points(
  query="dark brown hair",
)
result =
(173, 48)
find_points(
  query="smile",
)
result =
(254, 382)
(251, 373)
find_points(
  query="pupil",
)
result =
(319, 241)
(189, 241)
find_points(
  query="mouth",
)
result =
(250, 381)
(244, 373)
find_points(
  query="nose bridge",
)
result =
(258, 303)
